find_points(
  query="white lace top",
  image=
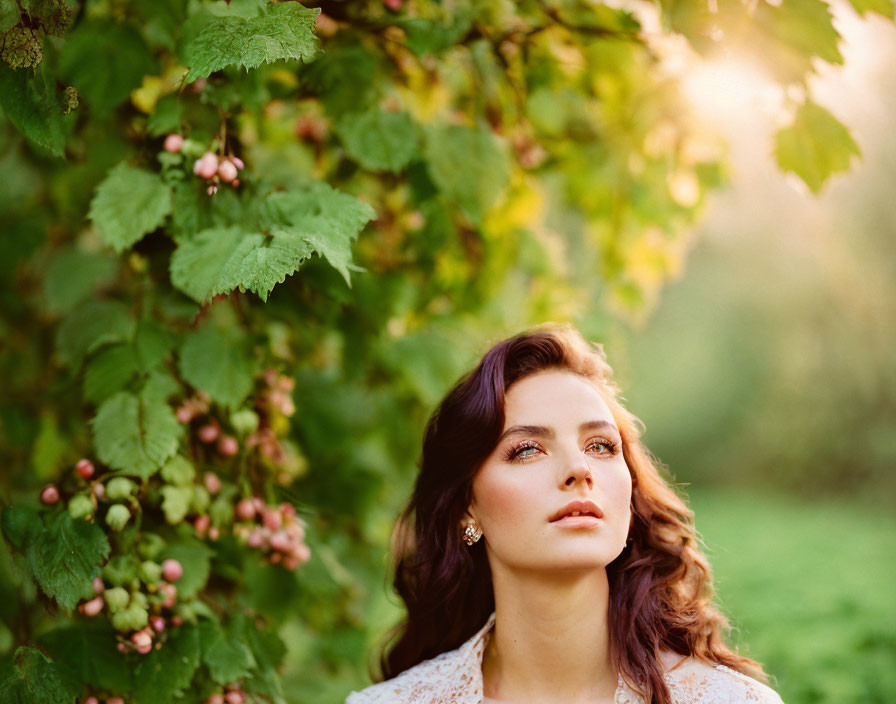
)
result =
(455, 677)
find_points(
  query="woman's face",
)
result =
(568, 449)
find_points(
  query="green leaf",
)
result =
(105, 61)
(815, 146)
(65, 557)
(163, 674)
(32, 678)
(30, 101)
(129, 203)
(323, 217)
(89, 327)
(226, 656)
(283, 31)
(470, 166)
(427, 37)
(217, 364)
(195, 558)
(87, 650)
(166, 117)
(135, 434)
(268, 650)
(73, 274)
(153, 344)
(108, 372)
(20, 525)
(883, 7)
(379, 140)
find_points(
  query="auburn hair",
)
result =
(660, 585)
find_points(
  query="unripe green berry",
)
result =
(150, 572)
(116, 598)
(133, 618)
(150, 545)
(140, 599)
(117, 516)
(120, 488)
(80, 506)
(120, 570)
(244, 421)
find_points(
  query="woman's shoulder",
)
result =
(694, 680)
(440, 679)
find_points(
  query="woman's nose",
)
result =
(578, 472)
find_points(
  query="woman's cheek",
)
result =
(502, 501)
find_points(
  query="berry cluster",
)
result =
(234, 694)
(209, 166)
(209, 432)
(274, 530)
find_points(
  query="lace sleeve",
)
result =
(718, 684)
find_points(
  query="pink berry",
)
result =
(184, 414)
(144, 649)
(216, 698)
(303, 552)
(121, 647)
(271, 519)
(201, 525)
(98, 585)
(213, 533)
(169, 593)
(237, 162)
(50, 494)
(209, 433)
(115, 700)
(256, 538)
(157, 623)
(227, 171)
(172, 570)
(173, 143)
(245, 509)
(91, 700)
(212, 482)
(394, 5)
(176, 620)
(235, 697)
(85, 469)
(288, 510)
(99, 491)
(228, 446)
(206, 166)
(141, 637)
(93, 607)
(280, 541)
(235, 182)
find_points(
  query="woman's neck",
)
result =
(551, 639)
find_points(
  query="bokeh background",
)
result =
(606, 164)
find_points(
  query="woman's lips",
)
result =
(577, 522)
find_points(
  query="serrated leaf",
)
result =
(135, 434)
(325, 218)
(379, 140)
(470, 166)
(88, 651)
(129, 203)
(108, 372)
(195, 558)
(164, 673)
(32, 678)
(153, 344)
(30, 101)
(815, 146)
(217, 364)
(228, 659)
(73, 274)
(282, 31)
(90, 326)
(105, 61)
(65, 556)
(160, 385)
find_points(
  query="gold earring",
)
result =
(471, 534)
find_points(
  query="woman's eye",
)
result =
(611, 447)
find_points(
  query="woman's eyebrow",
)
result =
(545, 431)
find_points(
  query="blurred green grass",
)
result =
(810, 590)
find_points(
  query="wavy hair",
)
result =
(660, 585)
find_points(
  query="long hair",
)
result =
(660, 585)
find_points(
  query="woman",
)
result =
(549, 561)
